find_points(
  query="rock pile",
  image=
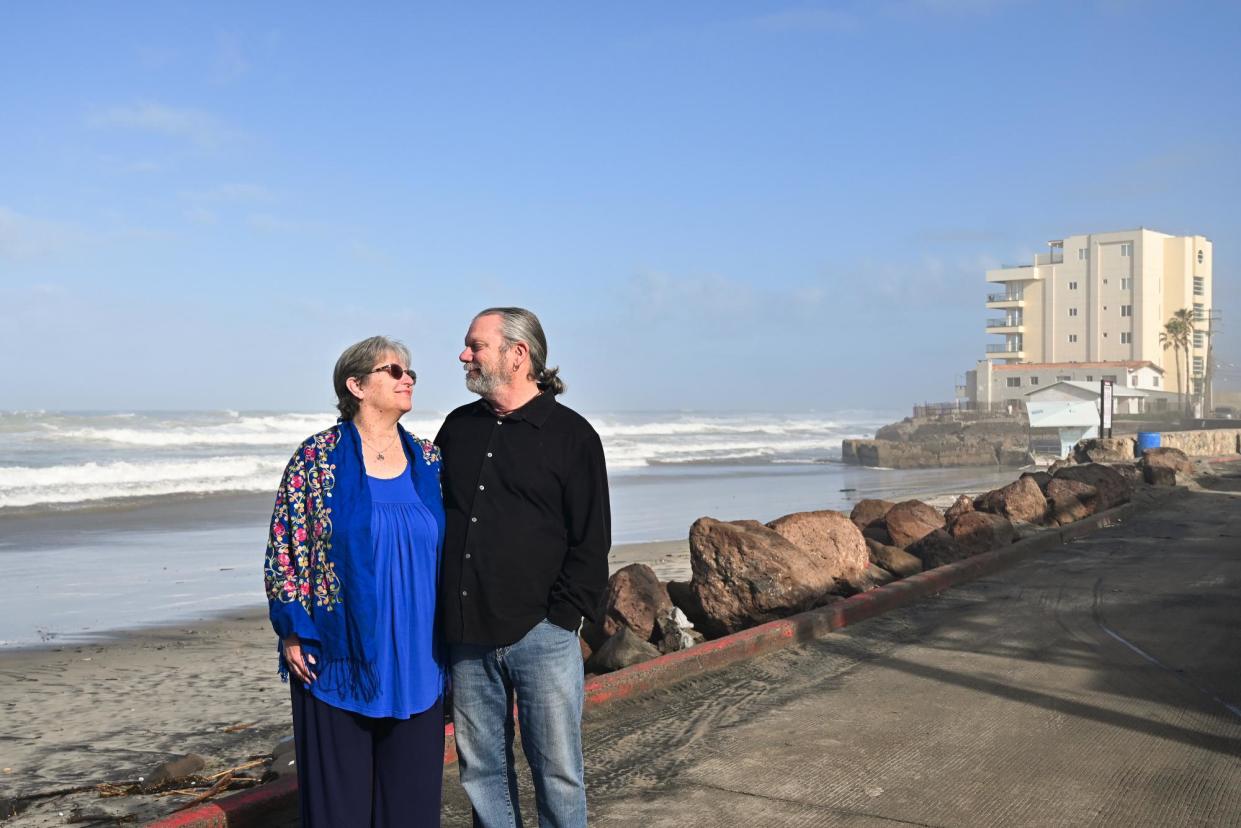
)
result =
(746, 573)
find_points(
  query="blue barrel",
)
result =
(1146, 440)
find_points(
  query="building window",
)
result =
(1072, 338)
(1089, 378)
(1200, 339)
(1126, 283)
(1155, 382)
(1109, 378)
(1014, 382)
(1199, 362)
(1034, 380)
(1197, 385)
(1072, 311)
(1126, 337)
(1063, 378)
(1072, 285)
(1083, 253)
(1126, 310)
(1200, 312)
(1199, 257)
(1200, 286)
(1126, 248)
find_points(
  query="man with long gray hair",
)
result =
(525, 561)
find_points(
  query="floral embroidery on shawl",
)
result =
(430, 452)
(297, 566)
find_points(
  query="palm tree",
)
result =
(1185, 318)
(1170, 337)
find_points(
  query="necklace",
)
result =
(379, 453)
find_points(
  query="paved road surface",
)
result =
(1095, 684)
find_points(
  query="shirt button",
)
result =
(467, 556)
(499, 422)
(464, 593)
(488, 454)
(473, 520)
(481, 487)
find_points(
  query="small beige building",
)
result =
(997, 383)
(1102, 298)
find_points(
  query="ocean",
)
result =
(112, 520)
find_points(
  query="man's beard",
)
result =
(485, 382)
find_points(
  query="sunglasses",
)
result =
(396, 371)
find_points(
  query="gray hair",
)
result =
(521, 325)
(357, 362)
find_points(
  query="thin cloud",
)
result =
(26, 237)
(193, 125)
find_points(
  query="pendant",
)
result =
(379, 456)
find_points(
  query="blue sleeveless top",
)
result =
(408, 658)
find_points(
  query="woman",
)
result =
(351, 571)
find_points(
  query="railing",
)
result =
(1003, 349)
(1003, 297)
(1003, 323)
(933, 409)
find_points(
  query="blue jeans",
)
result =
(544, 671)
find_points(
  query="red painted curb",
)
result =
(249, 808)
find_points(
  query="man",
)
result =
(525, 560)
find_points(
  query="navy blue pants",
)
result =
(354, 771)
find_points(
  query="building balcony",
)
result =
(1005, 352)
(1003, 301)
(1005, 326)
(1015, 273)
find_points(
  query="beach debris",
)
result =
(683, 598)
(869, 511)
(674, 632)
(894, 559)
(745, 573)
(959, 507)
(623, 649)
(237, 728)
(910, 521)
(831, 539)
(1021, 500)
(978, 532)
(95, 814)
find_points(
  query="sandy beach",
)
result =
(111, 709)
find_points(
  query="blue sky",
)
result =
(710, 204)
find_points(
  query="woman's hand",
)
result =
(299, 662)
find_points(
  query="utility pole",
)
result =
(1214, 317)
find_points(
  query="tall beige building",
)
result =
(1103, 297)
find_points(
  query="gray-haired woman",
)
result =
(351, 571)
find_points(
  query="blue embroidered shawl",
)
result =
(319, 570)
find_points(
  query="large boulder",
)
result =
(1104, 450)
(1022, 500)
(936, 549)
(959, 507)
(1111, 485)
(869, 511)
(633, 599)
(621, 650)
(1061, 511)
(978, 532)
(910, 521)
(1159, 475)
(1042, 478)
(745, 573)
(894, 559)
(1060, 489)
(878, 533)
(1168, 458)
(830, 537)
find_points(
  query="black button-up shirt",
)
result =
(528, 521)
